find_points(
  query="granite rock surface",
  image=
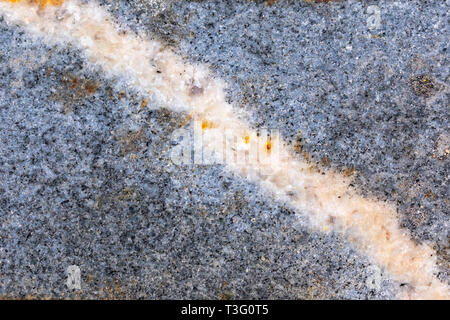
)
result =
(86, 180)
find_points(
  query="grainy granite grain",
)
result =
(85, 177)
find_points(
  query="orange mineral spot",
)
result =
(44, 3)
(269, 145)
(91, 87)
(207, 124)
(40, 3)
(387, 232)
(144, 103)
(247, 139)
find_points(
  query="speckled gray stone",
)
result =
(86, 180)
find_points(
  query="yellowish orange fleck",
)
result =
(144, 103)
(387, 233)
(91, 87)
(349, 172)
(298, 147)
(306, 155)
(207, 124)
(269, 145)
(247, 139)
(74, 83)
(40, 3)
(270, 3)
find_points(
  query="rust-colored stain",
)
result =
(349, 172)
(429, 195)
(325, 161)
(270, 3)
(91, 87)
(43, 3)
(72, 90)
(298, 147)
(225, 296)
(144, 103)
(88, 86)
(306, 155)
(40, 3)
(269, 145)
(387, 233)
(208, 125)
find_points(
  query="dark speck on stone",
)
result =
(196, 91)
(423, 85)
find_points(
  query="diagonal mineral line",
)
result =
(326, 199)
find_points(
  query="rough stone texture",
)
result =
(85, 177)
